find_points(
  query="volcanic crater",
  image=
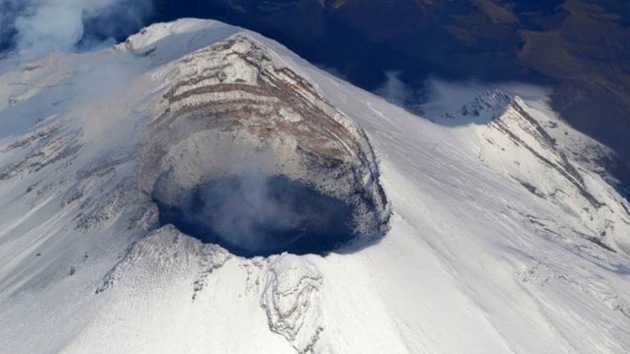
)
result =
(244, 153)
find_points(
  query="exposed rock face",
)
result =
(483, 108)
(292, 300)
(233, 111)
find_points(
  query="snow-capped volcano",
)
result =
(365, 228)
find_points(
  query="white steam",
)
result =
(246, 213)
(45, 25)
(395, 90)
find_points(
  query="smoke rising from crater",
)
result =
(44, 25)
(245, 212)
(259, 215)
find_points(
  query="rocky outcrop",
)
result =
(292, 300)
(483, 108)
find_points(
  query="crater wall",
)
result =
(233, 113)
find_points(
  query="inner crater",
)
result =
(256, 215)
(244, 153)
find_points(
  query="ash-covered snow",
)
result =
(502, 239)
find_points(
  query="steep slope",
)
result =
(498, 241)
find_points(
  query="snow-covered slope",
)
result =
(500, 240)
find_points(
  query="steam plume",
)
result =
(44, 25)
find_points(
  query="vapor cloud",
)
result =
(393, 89)
(44, 25)
(249, 212)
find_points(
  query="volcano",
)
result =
(200, 188)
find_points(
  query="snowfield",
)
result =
(504, 236)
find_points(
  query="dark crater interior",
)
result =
(260, 216)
